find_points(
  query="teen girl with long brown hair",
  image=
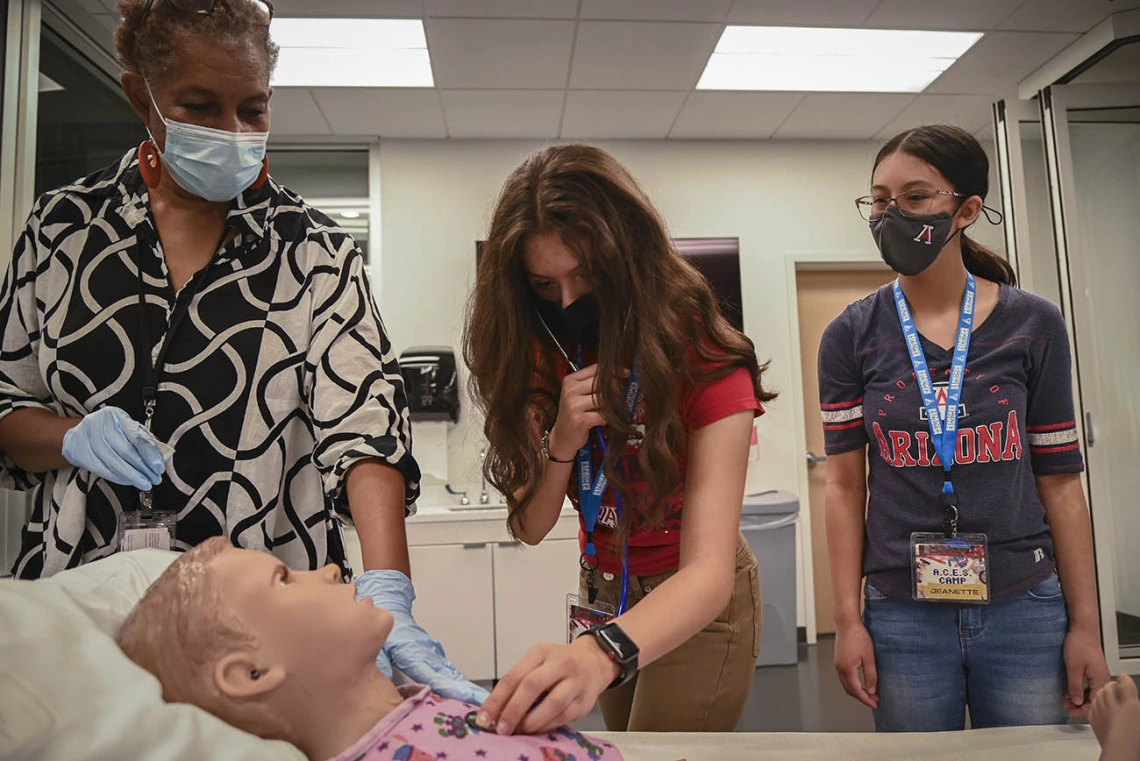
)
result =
(594, 348)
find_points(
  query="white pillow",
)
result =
(67, 692)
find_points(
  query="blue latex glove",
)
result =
(409, 648)
(115, 447)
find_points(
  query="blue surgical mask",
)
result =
(213, 164)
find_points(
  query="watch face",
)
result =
(620, 644)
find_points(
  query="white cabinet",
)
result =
(486, 599)
(455, 603)
(531, 584)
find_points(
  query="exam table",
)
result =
(67, 692)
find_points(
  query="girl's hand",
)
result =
(577, 413)
(1084, 660)
(550, 686)
(855, 662)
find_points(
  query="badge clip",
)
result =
(950, 516)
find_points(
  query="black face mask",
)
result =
(576, 324)
(909, 244)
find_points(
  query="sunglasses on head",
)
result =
(204, 7)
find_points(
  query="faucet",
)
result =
(464, 499)
(483, 496)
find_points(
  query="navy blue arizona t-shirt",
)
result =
(1016, 421)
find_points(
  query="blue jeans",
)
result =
(1002, 661)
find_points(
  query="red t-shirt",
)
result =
(657, 549)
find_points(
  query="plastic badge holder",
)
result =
(950, 569)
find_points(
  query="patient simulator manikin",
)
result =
(289, 655)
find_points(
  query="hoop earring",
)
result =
(149, 166)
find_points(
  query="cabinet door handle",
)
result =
(474, 545)
(508, 545)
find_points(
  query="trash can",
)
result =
(768, 522)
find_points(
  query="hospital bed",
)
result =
(68, 693)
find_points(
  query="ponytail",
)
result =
(984, 263)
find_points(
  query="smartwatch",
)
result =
(620, 648)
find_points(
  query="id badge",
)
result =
(950, 569)
(140, 529)
(581, 616)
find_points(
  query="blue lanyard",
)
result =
(591, 490)
(943, 431)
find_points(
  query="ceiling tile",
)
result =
(617, 114)
(383, 112)
(1064, 15)
(503, 8)
(90, 6)
(500, 54)
(295, 112)
(349, 8)
(107, 21)
(734, 115)
(837, 13)
(616, 55)
(101, 27)
(970, 112)
(656, 10)
(998, 61)
(971, 15)
(843, 115)
(503, 113)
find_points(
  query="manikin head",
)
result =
(239, 634)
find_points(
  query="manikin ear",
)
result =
(239, 675)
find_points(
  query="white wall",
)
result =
(776, 196)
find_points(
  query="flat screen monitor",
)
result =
(718, 259)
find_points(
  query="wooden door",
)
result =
(821, 296)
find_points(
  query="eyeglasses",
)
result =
(913, 202)
(204, 7)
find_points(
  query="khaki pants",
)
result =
(702, 685)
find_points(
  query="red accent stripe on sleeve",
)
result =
(1056, 427)
(841, 405)
(843, 426)
(1054, 450)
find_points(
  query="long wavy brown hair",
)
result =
(655, 310)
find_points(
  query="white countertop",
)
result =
(437, 506)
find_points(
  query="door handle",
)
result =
(474, 545)
(1090, 436)
(814, 459)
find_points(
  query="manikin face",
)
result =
(307, 622)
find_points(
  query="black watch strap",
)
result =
(546, 450)
(620, 648)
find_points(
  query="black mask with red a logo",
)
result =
(909, 244)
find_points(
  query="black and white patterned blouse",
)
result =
(279, 379)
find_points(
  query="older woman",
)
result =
(189, 349)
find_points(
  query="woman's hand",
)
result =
(1083, 660)
(115, 447)
(854, 652)
(577, 413)
(409, 648)
(550, 686)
